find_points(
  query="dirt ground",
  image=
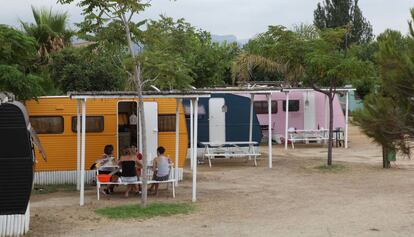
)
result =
(237, 199)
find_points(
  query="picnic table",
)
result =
(315, 135)
(214, 150)
(307, 135)
(116, 169)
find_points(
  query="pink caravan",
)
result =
(308, 110)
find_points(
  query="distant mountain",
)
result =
(222, 38)
(229, 39)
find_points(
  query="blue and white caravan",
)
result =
(224, 118)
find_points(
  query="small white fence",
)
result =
(15, 225)
(70, 177)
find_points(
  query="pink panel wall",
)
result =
(296, 119)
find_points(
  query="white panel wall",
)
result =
(15, 225)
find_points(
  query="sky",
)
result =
(242, 18)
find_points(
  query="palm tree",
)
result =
(50, 30)
(244, 65)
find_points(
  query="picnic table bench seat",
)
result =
(171, 180)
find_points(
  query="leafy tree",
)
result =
(23, 86)
(280, 45)
(306, 31)
(327, 65)
(50, 30)
(388, 115)
(380, 120)
(316, 61)
(17, 53)
(79, 69)
(181, 55)
(98, 14)
(340, 13)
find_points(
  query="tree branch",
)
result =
(130, 16)
(149, 80)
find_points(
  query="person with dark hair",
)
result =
(109, 150)
(106, 165)
(129, 164)
(161, 168)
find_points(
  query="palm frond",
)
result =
(244, 65)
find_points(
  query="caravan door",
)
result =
(309, 110)
(217, 120)
(151, 124)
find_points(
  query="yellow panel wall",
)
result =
(61, 149)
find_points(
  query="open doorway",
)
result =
(127, 124)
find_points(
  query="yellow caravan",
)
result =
(108, 121)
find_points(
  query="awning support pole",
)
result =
(286, 120)
(251, 147)
(269, 111)
(191, 134)
(194, 199)
(177, 138)
(78, 142)
(82, 184)
(346, 118)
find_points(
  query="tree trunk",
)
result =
(330, 138)
(386, 164)
(138, 81)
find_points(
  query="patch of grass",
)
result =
(53, 188)
(152, 210)
(331, 168)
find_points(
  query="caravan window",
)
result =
(166, 123)
(293, 105)
(261, 107)
(47, 124)
(94, 124)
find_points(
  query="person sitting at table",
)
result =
(139, 157)
(129, 164)
(161, 168)
(106, 165)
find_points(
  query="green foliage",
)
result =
(388, 112)
(23, 86)
(50, 30)
(344, 13)
(153, 210)
(306, 31)
(16, 48)
(285, 48)
(328, 65)
(17, 54)
(85, 70)
(379, 119)
(179, 55)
